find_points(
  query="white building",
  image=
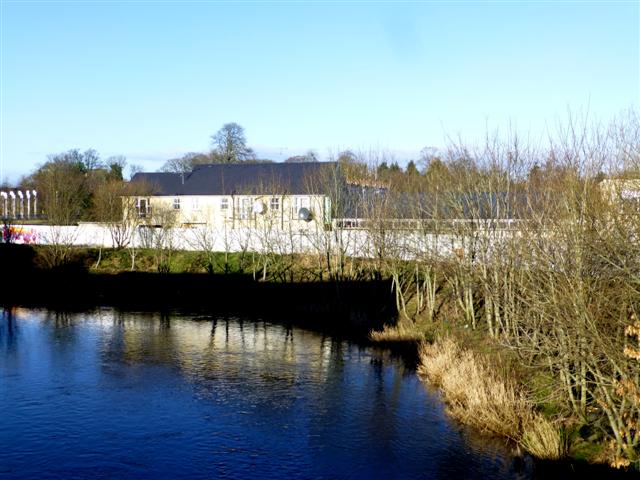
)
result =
(241, 195)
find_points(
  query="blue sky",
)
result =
(152, 80)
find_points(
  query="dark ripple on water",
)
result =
(112, 395)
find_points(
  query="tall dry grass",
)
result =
(402, 332)
(477, 395)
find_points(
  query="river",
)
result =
(106, 394)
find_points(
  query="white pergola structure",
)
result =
(10, 208)
(21, 197)
(12, 194)
(5, 200)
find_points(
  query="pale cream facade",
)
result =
(281, 212)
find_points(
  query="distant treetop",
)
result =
(230, 145)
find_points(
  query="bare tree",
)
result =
(111, 205)
(186, 163)
(158, 232)
(133, 169)
(309, 157)
(91, 159)
(61, 183)
(116, 165)
(60, 241)
(230, 145)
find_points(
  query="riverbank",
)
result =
(487, 387)
(345, 307)
(296, 292)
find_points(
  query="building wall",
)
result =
(620, 190)
(278, 212)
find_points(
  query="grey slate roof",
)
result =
(238, 179)
(358, 203)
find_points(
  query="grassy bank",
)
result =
(148, 260)
(93, 277)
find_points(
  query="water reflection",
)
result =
(8, 330)
(222, 348)
(161, 395)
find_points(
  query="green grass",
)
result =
(584, 450)
(111, 261)
(146, 260)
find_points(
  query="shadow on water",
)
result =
(8, 328)
(353, 307)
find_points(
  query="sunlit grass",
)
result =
(401, 332)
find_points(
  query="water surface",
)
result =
(106, 394)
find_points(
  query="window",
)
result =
(275, 203)
(224, 203)
(176, 204)
(245, 211)
(195, 204)
(142, 206)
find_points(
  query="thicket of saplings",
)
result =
(552, 296)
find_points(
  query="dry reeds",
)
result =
(398, 333)
(478, 396)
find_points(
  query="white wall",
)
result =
(360, 243)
